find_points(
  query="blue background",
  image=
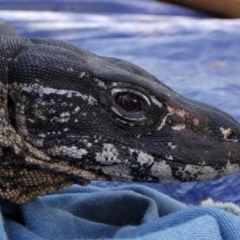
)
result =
(194, 53)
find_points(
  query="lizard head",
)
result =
(68, 115)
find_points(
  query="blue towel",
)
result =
(129, 212)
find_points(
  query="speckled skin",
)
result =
(61, 121)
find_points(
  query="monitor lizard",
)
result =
(69, 116)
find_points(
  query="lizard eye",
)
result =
(129, 102)
(129, 105)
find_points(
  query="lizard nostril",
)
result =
(230, 134)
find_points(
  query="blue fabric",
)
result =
(129, 212)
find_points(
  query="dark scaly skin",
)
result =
(63, 120)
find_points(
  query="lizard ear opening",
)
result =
(12, 112)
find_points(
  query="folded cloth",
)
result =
(129, 212)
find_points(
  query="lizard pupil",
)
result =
(129, 102)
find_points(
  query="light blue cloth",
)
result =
(130, 212)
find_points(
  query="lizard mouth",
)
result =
(167, 172)
(193, 172)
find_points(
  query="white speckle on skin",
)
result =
(73, 151)
(230, 168)
(100, 83)
(156, 102)
(52, 111)
(65, 114)
(36, 88)
(64, 117)
(50, 133)
(171, 145)
(108, 155)
(89, 144)
(143, 157)
(179, 112)
(41, 135)
(64, 104)
(179, 127)
(85, 141)
(169, 157)
(70, 69)
(82, 74)
(163, 122)
(38, 142)
(163, 171)
(91, 100)
(202, 172)
(76, 109)
(195, 121)
(31, 120)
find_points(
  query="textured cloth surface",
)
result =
(130, 212)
